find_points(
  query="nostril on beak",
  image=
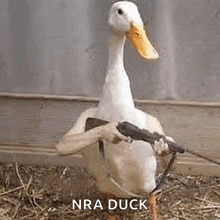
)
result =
(154, 54)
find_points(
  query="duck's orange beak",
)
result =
(138, 38)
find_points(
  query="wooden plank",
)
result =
(185, 164)
(38, 156)
(31, 125)
(37, 121)
(188, 164)
(196, 127)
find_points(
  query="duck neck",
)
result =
(116, 90)
(116, 52)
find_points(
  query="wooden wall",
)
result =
(32, 124)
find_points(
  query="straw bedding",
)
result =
(46, 193)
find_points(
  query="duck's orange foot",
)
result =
(112, 217)
(152, 202)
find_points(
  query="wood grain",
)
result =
(30, 126)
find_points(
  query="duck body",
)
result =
(132, 165)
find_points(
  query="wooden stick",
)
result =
(25, 189)
(217, 192)
(10, 191)
(206, 207)
(207, 201)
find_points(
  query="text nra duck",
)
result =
(122, 204)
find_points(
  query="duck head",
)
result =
(125, 19)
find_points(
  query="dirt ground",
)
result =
(46, 193)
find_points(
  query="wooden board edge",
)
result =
(38, 156)
(139, 102)
(44, 156)
(195, 166)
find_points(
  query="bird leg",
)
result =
(153, 206)
(111, 216)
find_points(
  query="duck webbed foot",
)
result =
(111, 216)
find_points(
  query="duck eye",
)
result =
(120, 11)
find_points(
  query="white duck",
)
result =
(131, 165)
